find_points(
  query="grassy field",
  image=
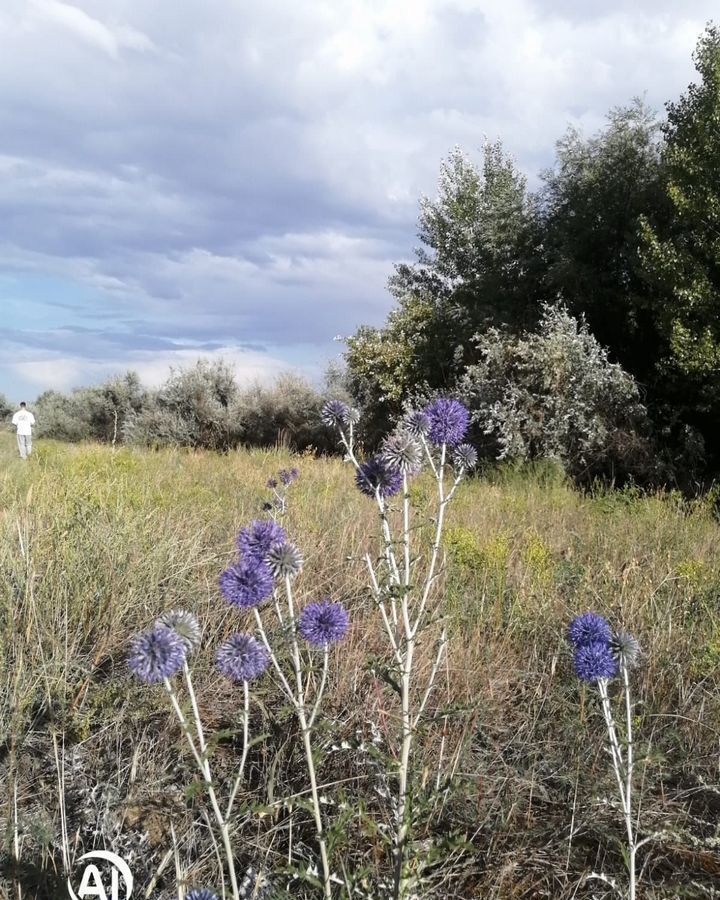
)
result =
(95, 543)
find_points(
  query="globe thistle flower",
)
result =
(201, 894)
(334, 413)
(247, 583)
(595, 661)
(375, 474)
(625, 649)
(185, 625)
(465, 456)
(352, 417)
(156, 655)
(589, 628)
(256, 541)
(288, 476)
(272, 483)
(285, 560)
(416, 423)
(401, 452)
(323, 623)
(242, 658)
(448, 420)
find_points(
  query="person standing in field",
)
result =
(24, 420)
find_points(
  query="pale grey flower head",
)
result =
(417, 423)
(285, 560)
(625, 649)
(185, 625)
(465, 456)
(402, 452)
(352, 415)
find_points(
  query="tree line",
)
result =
(623, 235)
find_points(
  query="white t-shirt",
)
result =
(24, 421)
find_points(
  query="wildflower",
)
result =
(157, 654)
(266, 507)
(201, 894)
(323, 623)
(589, 628)
(417, 423)
(448, 420)
(625, 649)
(272, 483)
(594, 661)
(375, 474)
(247, 583)
(402, 453)
(256, 541)
(288, 476)
(352, 416)
(185, 625)
(465, 456)
(242, 658)
(285, 560)
(334, 412)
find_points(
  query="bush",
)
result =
(62, 416)
(288, 414)
(555, 394)
(6, 409)
(192, 408)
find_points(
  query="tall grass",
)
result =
(95, 543)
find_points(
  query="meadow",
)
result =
(96, 542)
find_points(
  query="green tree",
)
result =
(682, 256)
(593, 201)
(477, 267)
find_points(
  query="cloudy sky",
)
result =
(236, 178)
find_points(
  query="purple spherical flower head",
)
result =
(272, 483)
(258, 540)
(334, 412)
(595, 661)
(323, 623)
(242, 658)
(288, 476)
(376, 474)
(589, 628)
(157, 654)
(247, 584)
(449, 421)
(201, 894)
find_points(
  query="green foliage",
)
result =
(593, 200)
(683, 254)
(6, 408)
(475, 268)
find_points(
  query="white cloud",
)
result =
(75, 21)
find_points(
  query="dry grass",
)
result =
(94, 544)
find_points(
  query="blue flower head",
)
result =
(376, 474)
(595, 661)
(256, 541)
(247, 583)
(201, 894)
(157, 654)
(323, 623)
(589, 628)
(242, 658)
(448, 422)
